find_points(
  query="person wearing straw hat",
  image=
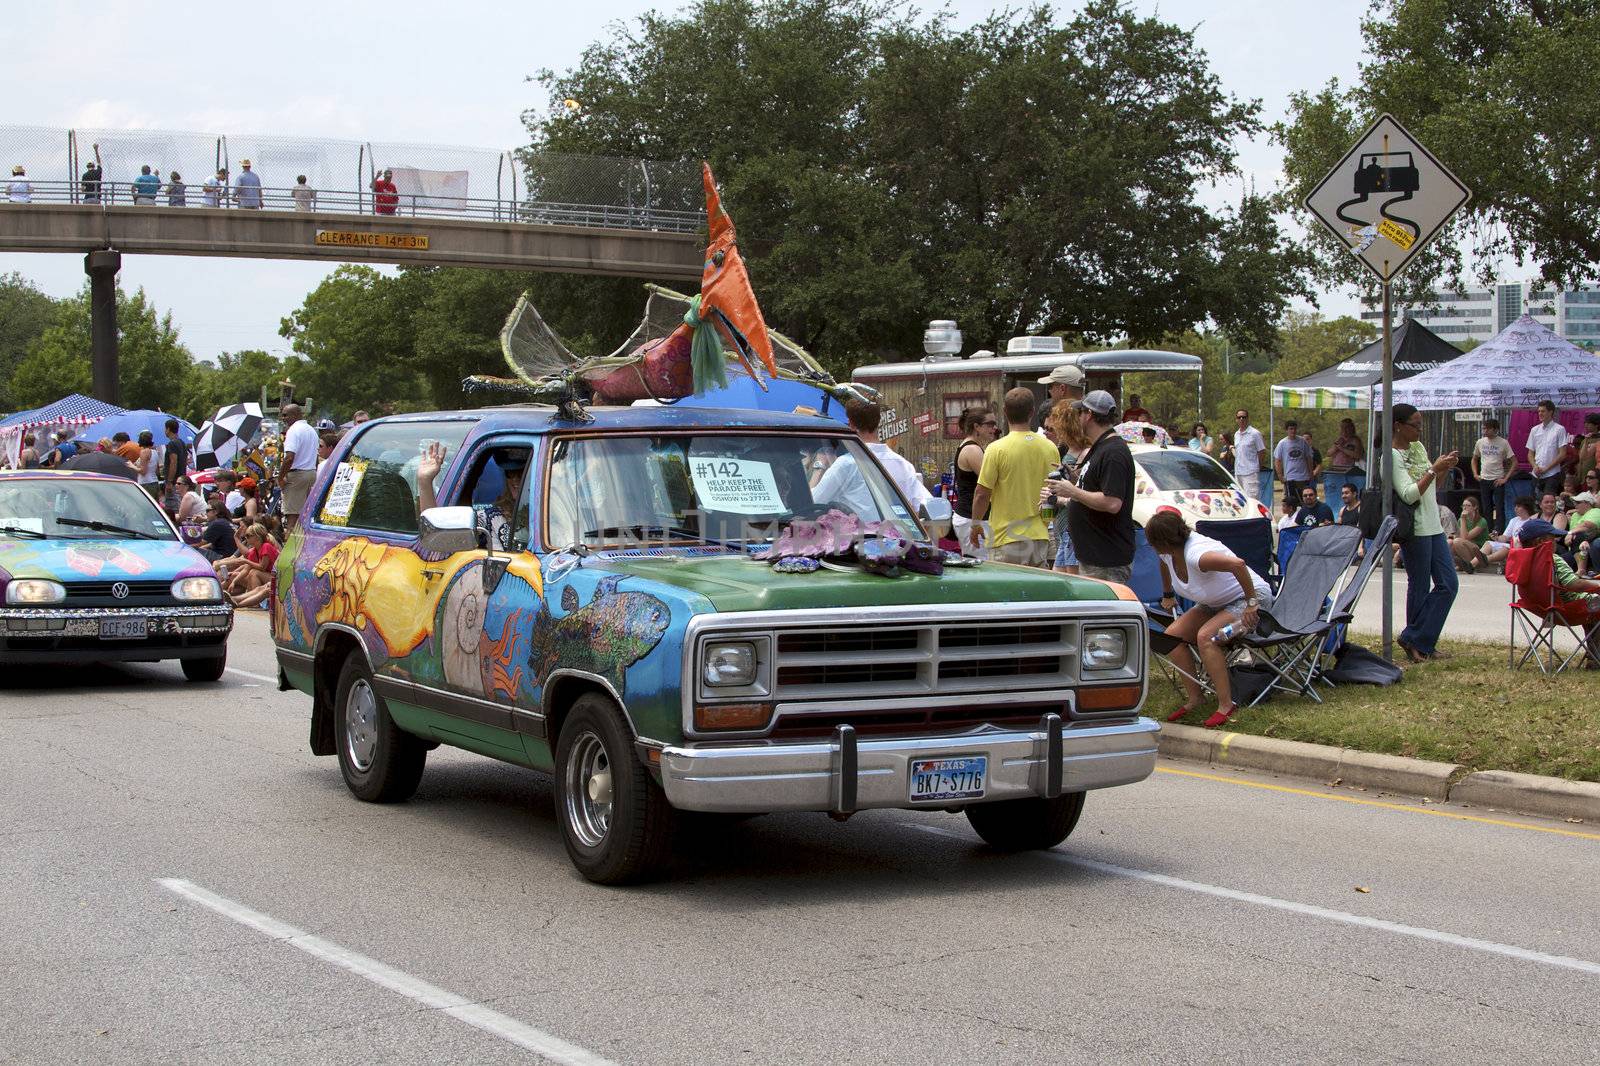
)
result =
(20, 189)
(247, 187)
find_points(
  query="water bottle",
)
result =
(1227, 633)
(1583, 558)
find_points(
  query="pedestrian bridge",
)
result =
(322, 199)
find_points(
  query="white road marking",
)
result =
(496, 1024)
(254, 677)
(1488, 947)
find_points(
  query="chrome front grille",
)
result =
(924, 660)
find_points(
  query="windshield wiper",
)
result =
(17, 531)
(105, 527)
(643, 532)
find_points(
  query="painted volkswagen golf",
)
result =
(579, 595)
(91, 570)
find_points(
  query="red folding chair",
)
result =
(1539, 612)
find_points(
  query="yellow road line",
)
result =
(1379, 803)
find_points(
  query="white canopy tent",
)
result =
(1524, 363)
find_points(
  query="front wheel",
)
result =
(615, 820)
(207, 669)
(1026, 824)
(381, 762)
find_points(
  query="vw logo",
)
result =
(120, 590)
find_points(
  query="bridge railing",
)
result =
(431, 180)
(169, 195)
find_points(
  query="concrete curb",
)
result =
(1550, 797)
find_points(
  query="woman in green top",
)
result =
(1467, 546)
(1430, 567)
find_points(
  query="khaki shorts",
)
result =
(295, 486)
(1023, 552)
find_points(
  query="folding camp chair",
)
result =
(1288, 640)
(1344, 605)
(1539, 612)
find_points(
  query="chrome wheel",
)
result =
(361, 724)
(589, 790)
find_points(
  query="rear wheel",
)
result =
(1026, 824)
(381, 762)
(615, 820)
(208, 669)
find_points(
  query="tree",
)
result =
(153, 364)
(25, 313)
(236, 377)
(354, 333)
(1491, 89)
(1027, 175)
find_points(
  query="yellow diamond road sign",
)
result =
(1387, 198)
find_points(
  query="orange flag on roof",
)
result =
(725, 287)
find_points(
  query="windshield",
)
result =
(1176, 469)
(717, 488)
(38, 506)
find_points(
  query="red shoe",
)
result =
(1179, 713)
(1220, 717)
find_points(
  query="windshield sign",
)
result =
(712, 488)
(68, 508)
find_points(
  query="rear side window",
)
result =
(375, 485)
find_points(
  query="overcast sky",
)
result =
(430, 74)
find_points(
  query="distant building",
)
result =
(1479, 314)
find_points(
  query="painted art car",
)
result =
(1208, 497)
(91, 570)
(622, 635)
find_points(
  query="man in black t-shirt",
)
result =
(1351, 515)
(174, 464)
(1312, 512)
(1100, 505)
(216, 540)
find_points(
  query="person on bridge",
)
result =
(177, 191)
(20, 191)
(305, 197)
(214, 188)
(385, 196)
(91, 181)
(247, 189)
(146, 186)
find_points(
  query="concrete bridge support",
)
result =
(102, 267)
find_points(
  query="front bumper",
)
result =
(66, 634)
(845, 774)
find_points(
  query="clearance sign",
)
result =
(348, 239)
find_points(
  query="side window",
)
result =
(375, 485)
(498, 486)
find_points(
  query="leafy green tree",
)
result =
(354, 335)
(25, 313)
(236, 377)
(1028, 175)
(153, 364)
(1491, 88)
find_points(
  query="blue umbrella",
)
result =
(135, 422)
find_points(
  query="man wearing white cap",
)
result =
(1062, 383)
(247, 188)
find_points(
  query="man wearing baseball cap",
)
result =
(1063, 383)
(1100, 505)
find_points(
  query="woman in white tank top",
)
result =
(1225, 592)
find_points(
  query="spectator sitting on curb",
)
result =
(1467, 545)
(1500, 544)
(1312, 511)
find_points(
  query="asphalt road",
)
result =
(184, 882)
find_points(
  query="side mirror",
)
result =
(935, 514)
(448, 530)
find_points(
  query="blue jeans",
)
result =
(1430, 590)
(1494, 503)
(1336, 482)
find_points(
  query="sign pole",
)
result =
(1386, 457)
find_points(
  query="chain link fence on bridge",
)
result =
(348, 176)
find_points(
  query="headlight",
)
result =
(729, 664)
(197, 588)
(1105, 649)
(34, 591)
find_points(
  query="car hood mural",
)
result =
(99, 559)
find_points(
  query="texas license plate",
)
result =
(124, 629)
(941, 780)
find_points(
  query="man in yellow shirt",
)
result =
(1014, 470)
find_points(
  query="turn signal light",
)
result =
(732, 716)
(1109, 697)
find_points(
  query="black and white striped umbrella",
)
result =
(231, 430)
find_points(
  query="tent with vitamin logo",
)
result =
(1352, 384)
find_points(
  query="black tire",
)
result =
(1026, 824)
(629, 841)
(209, 669)
(381, 762)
